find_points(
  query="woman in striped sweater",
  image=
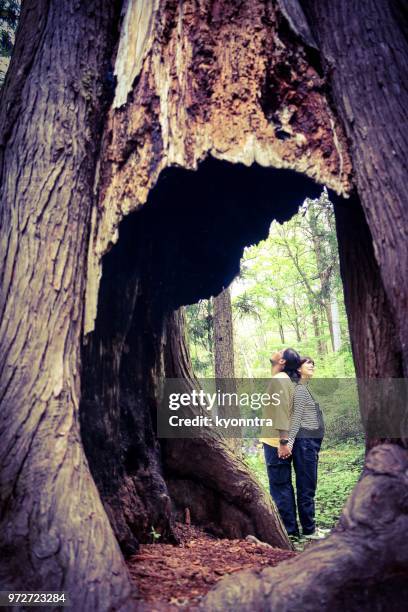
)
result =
(305, 438)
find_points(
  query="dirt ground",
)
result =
(171, 577)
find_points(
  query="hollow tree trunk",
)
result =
(192, 84)
(137, 341)
(230, 80)
(360, 565)
(54, 533)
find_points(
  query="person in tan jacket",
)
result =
(278, 459)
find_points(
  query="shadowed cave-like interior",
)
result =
(183, 245)
(197, 223)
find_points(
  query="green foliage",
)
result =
(9, 15)
(288, 288)
(199, 319)
(339, 470)
(155, 535)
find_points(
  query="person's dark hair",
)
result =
(293, 362)
(305, 358)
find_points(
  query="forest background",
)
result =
(289, 293)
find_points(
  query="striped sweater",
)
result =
(304, 412)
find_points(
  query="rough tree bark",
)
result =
(224, 358)
(53, 529)
(223, 336)
(364, 562)
(241, 82)
(370, 48)
(238, 93)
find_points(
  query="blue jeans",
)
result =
(305, 461)
(280, 487)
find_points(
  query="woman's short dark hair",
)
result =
(292, 363)
(306, 358)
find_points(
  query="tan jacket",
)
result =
(280, 414)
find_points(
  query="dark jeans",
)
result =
(305, 461)
(280, 486)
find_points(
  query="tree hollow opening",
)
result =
(183, 245)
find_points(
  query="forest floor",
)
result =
(172, 577)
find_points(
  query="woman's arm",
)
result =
(299, 401)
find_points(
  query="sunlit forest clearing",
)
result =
(288, 293)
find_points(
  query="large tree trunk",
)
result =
(240, 82)
(359, 566)
(54, 533)
(371, 49)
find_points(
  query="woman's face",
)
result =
(307, 368)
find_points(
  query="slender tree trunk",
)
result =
(335, 317)
(224, 357)
(54, 533)
(324, 274)
(279, 312)
(329, 319)
(210, 328)
(296, 320)
(316, 329)
(223, 336)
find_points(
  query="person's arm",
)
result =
(283, 429)
(298, 409)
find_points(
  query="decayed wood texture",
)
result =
(226, 79)
(361, 566)
(54, 533)
(367, 65)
